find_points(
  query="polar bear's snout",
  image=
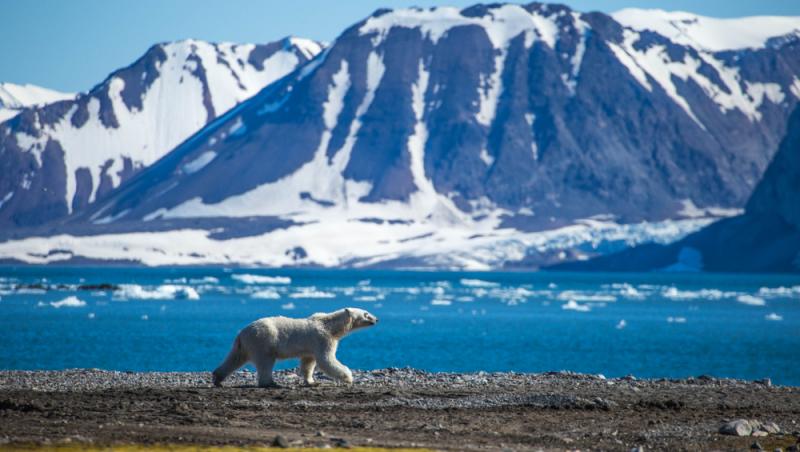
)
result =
(362, 318)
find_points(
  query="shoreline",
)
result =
(392, 408)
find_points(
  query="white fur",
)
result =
(314, 340)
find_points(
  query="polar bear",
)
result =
(314, 340)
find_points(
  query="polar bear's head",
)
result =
(340, 323)
(361, 318)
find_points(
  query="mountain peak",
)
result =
(14, 97)
(709, 33)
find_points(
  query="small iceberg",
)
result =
(572, 305)
(268, 294)
(311, 292)
(751, 300)
(260, 279)
(676, 319)
(69, 302)
(773, 317)
(622, 324)
(478, 283)
(163, 292)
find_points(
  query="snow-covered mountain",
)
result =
(64, 155)
(766, 238)
(488, 137)
(14, 98)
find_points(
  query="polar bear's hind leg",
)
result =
(264, 364)
(307, 365)
(236, 358)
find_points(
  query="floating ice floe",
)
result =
(628, 291)
(267, 294)
(751, 300)
(29, 291)
(774, 317)
(288, 306)
(676, 319)
(368, 298)
(69, 302)
(708, 294)
(163, 292)
(261, 279)
(572, 305)
(581, 296)
(311, 292)
(790, 292)
(91, 315)
(440, 302)
(145, 317)
(478, 283)
(622, 324)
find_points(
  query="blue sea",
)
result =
(184, 319)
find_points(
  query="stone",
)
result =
(739, 427)
(770, 427)
(756, 446)
(280, 441)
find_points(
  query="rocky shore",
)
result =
(399, 408)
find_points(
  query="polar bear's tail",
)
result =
(236, 358)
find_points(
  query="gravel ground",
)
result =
(394, 408)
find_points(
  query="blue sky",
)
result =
(72, 45)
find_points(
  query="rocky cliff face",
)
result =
(62, 156)
(766, 238)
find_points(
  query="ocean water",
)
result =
(185, 319)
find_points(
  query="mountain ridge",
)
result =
(129, 120)
(558, 134)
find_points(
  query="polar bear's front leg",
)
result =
(307, 365)
(333, 368)
(264, 365)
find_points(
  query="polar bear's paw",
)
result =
(216, 380)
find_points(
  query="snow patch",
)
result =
(708, 33)
(199, 163)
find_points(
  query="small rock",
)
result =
(759, 433)
(756, 446)
(320, 433)
(770, 427)
(340, 442)
(739, 427)
(638, 449)
(280, 441)
(765, 381)
(792, 448)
